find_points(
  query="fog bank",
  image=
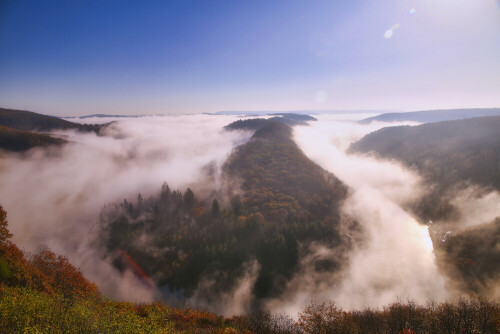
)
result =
(394, 258)
(53, 198)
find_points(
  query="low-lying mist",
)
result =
(54, 196)
(394, 259)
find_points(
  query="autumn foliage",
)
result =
(44, 293)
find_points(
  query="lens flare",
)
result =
(388, 33)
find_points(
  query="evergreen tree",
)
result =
(189, 200)
(215, 208)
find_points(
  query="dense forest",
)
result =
(451, 156)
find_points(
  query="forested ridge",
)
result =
(31, 121)
(19, 141)
(285, 203)
(22, 130)
(449, 155)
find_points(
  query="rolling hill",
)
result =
(446, 153)
(428, 116)
(19, 141)
(30, 121)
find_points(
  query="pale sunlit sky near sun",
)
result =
(136, 57)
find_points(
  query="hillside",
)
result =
(256, 123)
(18, 141)
(275, 203)
(446, 153)
(30, 121)
(272, 167)
(450, 156)
(473, 255)
(428, 116)
(44, 293)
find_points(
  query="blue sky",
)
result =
(134, 57)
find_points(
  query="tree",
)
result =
(189, 199)
(4, 231)
(165, 192)
(215, 208)
(236, 205)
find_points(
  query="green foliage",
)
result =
(27, 311)
(4, 270)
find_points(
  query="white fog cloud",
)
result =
(53, 198)
(395, 260)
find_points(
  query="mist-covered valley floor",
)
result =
(271, 217)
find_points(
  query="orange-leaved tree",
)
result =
(62, 276)
(4, 231)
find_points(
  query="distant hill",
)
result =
(108, 116)
(299, 112)
(446, 153)
(428, 116)
(30, 121)
(257, 123)
(18, 141)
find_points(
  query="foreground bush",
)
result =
(23, 310)
(466, 316)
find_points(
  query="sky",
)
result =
(71, 58)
